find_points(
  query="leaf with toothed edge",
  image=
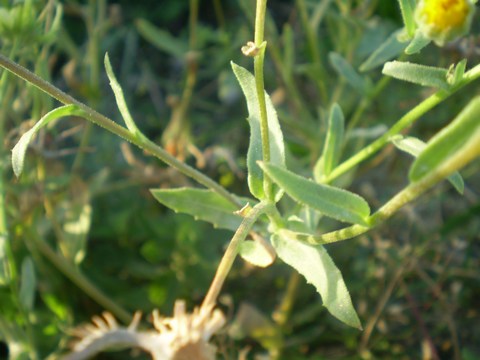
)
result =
(318, 268)
(330, 201)
(202, 204)
(254, 154)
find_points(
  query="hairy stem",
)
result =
(118, 130)
(79, 279)
(260, 85)
(231, 253)
(407, 120)
(468, 153)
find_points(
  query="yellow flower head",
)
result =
(444, 20)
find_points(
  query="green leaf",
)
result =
(27, 284)
(345, 70)
(162, 39)
(202, 204)
(407, 8)
(414, 147)
(456, 73)
(277, 147)
(328, 200)
(333, 144)
(392, 47)
(417, 74)
(418, 42)
(20, 149)
(120, 99)
(4, 263)
(318, 268)
(256, 254)
(464, 128)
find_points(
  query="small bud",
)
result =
(250, 49)
(444, 20)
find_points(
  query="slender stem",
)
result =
(79, 279)
(468, 153)
(231, 253)
(175, 138)
(382, 302)
(118, 130)
(260, 85)
(366, 101)
(408, 119)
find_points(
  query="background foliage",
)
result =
(86, 193)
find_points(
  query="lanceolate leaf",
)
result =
(27, 284)
(19, 151)
(417, 74)
(463, 129)
(407, 7)
(391, 48)
(414, 147)
(162, 39)
(119, 97)
(418, 43)
(333, 144)
(328, 200)
(318, 268)
(344, 69)
(277, 149)
(202, 204)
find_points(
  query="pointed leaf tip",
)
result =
(20, 149)
(331, 201)
(318, 268)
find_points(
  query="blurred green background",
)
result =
(414, 281)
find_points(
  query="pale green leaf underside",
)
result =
(417, 74)
(27, 284)
(330, 201)
(256, 254)
(464, 128)
(277, 147)
(202, 204)
(20, 149)
(391, 48)
(418, 43)
(318, 268)
(344, 69)
(414, 147)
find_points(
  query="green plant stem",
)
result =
(79, 279)
(366, 101)
(401, 124)
(382, 302)
(232, 252)
(469, 152)
(110, 125)
(260, 85)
